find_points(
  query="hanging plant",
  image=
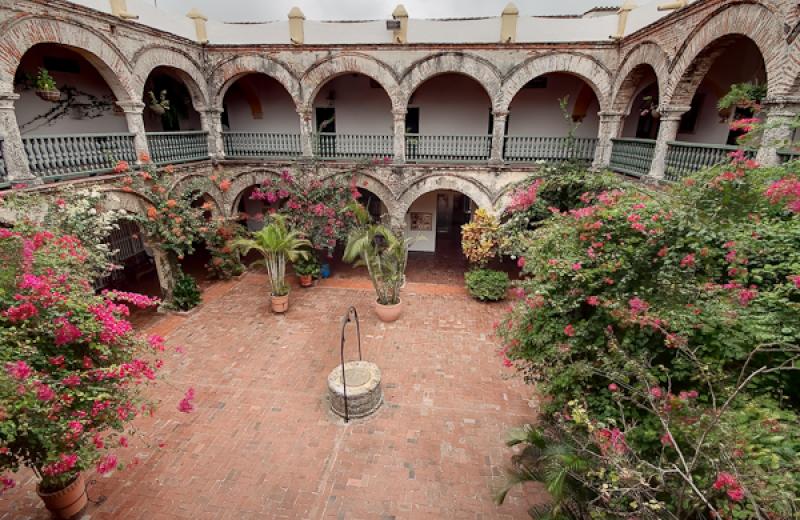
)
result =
(160, 105)
(46, 86)
(650, 106)
(743, 95)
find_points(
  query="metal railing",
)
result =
(530, 149)
(261, 144)
(788, 155)
(177, 147)
(632, 156)
(58, 157)
(353, 146)
(687, 158)
(448, 148)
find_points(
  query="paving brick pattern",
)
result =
(263, 444)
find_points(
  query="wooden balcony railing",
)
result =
(246, 145)
(57, 157)
(353, 146)
(632, 156)
(448, 148)
(532, 149)
(177, 147)
(687, 158)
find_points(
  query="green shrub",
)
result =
(186, 294)
(487, 284)
(307, 266)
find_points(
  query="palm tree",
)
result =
(277, 243)
(384, 253)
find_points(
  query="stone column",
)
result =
(306, 132)
(399, 136)
(667, 131)
(498, 137)
(610, 128)
(167, 270)
(777, 128)
(133, 116)
(16, 159)
(211, 121)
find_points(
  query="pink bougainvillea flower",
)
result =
(656, 392)
(795, 279)
(66, 463)
(185, 405)
(577, 266)
(106, 464)
(638, 306)
(613, 387)
(19, 370)
(521, 262)
(7, 483)
(688, 260)
(569, 330)
(45, 393)
(594, 301)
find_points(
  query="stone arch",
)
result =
(475, 67)
(372, 183)
(588, 69)
(630, 72)
(184, 66)
(97, 48)
(323, 71)
(227, 72)
(710, 38)
(204, 186)
(479, 194)
(241, 182)
(115, 199)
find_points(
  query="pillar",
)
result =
(508, 24)
(780, 113)
(167, 269)
(609, 128)
(16, 159)
(306, 132)
(622, 19)
(498, 137)
(399, 117)
(211, 120)
(296, 21)
(400, 14)
(133, 116)
(667, 131)
(119, 8)
(199, 19)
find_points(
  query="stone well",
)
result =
(364, 394)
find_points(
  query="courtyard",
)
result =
(262, 442)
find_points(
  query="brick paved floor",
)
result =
(262, 444)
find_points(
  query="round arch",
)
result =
(203, 186)
(322, 72)
(176, 61)
(479, 194)
(590, 71)
(115, 199)
(373, 184)
(227, 72)
(479, 69)
(708, 40)
(98, 50)
(240, 183)
(644, 56)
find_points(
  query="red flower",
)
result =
(106, 464)
(185, 404)
(688, 260)
(569, 330)
(613, 387)
(521, 263)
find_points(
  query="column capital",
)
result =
(305, 112)
(398, 113)
(7, 100)
(673, 112)
(499, 113)
(131, 106)
(210, 110)
(608, 115)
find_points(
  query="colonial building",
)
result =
(454, 111)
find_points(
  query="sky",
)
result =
(263, 10)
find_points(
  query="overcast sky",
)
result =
(262, 10)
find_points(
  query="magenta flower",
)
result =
(569, 330)
(19, 370)
(687, 261)
(106, 464)
(185, 405)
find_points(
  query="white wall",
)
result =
(279, 114)
(536, 112)
(452, 104)
(360, 107)
(424, 240)
(87, 81)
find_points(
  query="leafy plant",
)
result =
(186, 294)
(308, 266)
(383, 253)
(44, 81)
(745, 95)
(487, 284)
(277, 243)
(479, 238)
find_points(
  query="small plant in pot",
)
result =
(385, 255)
(277, 243)
(46, 86)
(306, 270)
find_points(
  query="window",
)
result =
(326, 119)
(412, 120)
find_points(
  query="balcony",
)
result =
(522, 149)
(632, 156)
(448, 148)
(53, 158)
(177, 147)
(352, 146)
(687, 158)
(261, 145)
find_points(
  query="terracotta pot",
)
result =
(389, 313)
(52, 95)
(68, 502)
(306, 280)
(279, 303)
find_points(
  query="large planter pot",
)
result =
(52, 95)
(389, 313)
(68, 502)
(306, 280)
(280, 304)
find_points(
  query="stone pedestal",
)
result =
(364, 393)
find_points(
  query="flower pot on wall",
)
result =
(388, 313)
(306, 280)
(68, 502)
(280, 304)
(53, 95)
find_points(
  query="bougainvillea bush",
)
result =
(72, 369)
(319, 209)
(664, 329)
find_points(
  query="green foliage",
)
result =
(277, 243)
(383, 253)
(186, 294)
(44, 81)
(487, 284)
(308, 266)
(746, 95)
(480, 239)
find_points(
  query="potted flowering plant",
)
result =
(277, 243)
(46, 86)
(71, 368)
(306, 270)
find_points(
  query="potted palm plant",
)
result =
(46, 86)
(306, 270)
(385, 255)
(277, 244)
